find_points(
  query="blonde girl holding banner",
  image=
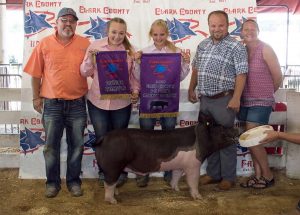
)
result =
(159, 33)
(108, 114)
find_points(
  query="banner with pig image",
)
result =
(113, 74)
(160, 78)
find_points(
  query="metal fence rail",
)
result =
(10, 98)
(292, 77)
(10, 86)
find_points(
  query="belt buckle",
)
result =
(226, 93)
(220, 95)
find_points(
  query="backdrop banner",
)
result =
(187, 23)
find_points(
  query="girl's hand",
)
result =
(137, 56)
(134, 98)
(92, 55)
(186, 57)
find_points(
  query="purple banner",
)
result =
(113, 74)
(160, 78)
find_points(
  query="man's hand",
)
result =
(192, 96)
(38, 104)
(234, 104)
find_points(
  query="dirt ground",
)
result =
(27, 197)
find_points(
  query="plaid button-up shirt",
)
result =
(219, 64)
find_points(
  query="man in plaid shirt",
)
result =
(220, 69)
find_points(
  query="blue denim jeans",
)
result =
(106, 120)
(58, 115)
(255, 114)
(167, 123)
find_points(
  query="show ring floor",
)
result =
(27, 197)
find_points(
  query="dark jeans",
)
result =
(167, 123)
(60, 114)
(106, 120)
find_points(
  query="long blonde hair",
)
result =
(163, 24)
(126, 43)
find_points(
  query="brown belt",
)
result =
(220, 95)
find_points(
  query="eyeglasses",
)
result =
(65, 20)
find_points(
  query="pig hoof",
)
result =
(117, 192)
(176, 188)
(197, 196)
(111, 200)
